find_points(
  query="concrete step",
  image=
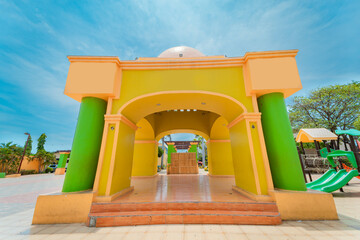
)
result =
(161, 206)
(109, 219)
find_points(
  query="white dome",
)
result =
(181, 51)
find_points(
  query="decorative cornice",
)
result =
(247, 116)
(183, 63)
(121, 118)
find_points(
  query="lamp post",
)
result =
(22, 158)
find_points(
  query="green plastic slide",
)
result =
(332, 180)
(324, 178)
(338, 181)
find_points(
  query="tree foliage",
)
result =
(29, 146)
(160, 151)
(45, 158)
(332, 107)
(41, 142)
(357, 123)
(10, 156)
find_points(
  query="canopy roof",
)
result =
(352, 132)
(312, 134)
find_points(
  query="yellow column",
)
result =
(116, 157)
(145, 158)
(251, 166)
(221, 157)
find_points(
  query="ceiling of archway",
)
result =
(145, 106)
(183, 121)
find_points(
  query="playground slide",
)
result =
(339, 180)
(324, 178)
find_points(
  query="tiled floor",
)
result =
(189, 187)
(18, 195)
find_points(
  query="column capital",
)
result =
(113, 118)
(246, 116)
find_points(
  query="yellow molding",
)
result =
(253, 160)
(101, 157)
(118, 117)
(248, 116)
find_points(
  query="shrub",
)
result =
(27, 172)
(49, 170)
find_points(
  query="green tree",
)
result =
(45, 158)
(332, 107)
(10, 155)
(160, 151)
(29, 146)
(41, 142)
(200, 139)
(357, 123)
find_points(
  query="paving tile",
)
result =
(174, 236)
(257, 236)
(16, 217)
(194, 236)
(236, 236)
(154, 236)
(134, 236)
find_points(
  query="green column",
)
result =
(280, 144)
(62, 160)
(85, 150)
(171, 149)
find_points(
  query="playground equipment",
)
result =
(352, 141)
(317, 161)
(333, 180)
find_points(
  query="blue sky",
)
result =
(36, 37)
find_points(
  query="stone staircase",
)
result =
(145, 213)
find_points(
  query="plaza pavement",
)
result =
(18, 198)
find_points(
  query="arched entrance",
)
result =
(237, 104)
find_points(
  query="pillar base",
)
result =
(114, 196)
(305, 205)
(252, 196)
(60, 171)
(63, 208)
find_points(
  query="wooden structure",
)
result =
(183, 163)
